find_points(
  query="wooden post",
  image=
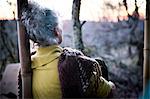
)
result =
(146, 68)
(24, 53)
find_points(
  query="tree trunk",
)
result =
(24, 54)
(146, 68)
(77, 25)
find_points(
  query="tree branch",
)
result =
(82, 23)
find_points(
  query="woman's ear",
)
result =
(58, 34)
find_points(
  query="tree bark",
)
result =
(77, 25)
(146, 68)
(24, 54)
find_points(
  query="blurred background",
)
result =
(112, 30)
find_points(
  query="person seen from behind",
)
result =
(60, 72)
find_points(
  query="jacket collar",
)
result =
(45, 55)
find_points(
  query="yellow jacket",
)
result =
(45, 83)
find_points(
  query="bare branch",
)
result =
(83, 23)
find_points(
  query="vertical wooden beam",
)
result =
(146, 68)
(24, 53)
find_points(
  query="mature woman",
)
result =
(59, 72)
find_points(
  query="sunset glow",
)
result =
(92, 10)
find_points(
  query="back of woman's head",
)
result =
(40, 24)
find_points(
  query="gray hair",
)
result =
(40, 24)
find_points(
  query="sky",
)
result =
(92, 10)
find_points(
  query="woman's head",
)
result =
(42, 25)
